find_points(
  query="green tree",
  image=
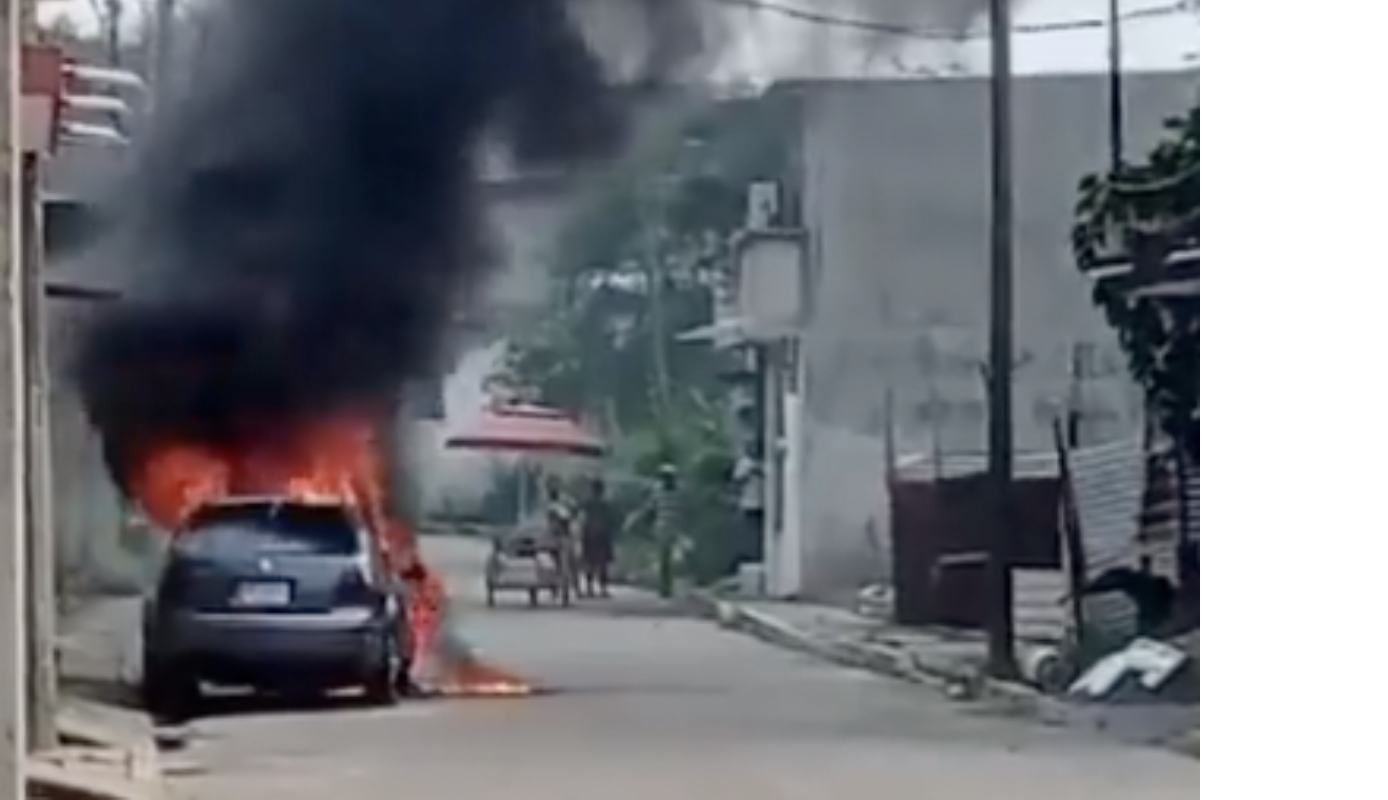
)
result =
(1146, 211)
(639, 265)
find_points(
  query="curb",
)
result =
(1187, 744)
(1008, 697)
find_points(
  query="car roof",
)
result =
(270, 505)
(272, 499)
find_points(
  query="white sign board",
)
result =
(771, 282)
(36, 123)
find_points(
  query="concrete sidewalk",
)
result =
(950, 662)
(98, 647)
(107, 747)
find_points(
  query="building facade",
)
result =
(890, 196)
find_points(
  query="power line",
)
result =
(833, 20)
(936, 34)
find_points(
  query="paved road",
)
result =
(647, 704)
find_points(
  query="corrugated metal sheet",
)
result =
(1190, 497)
(929, 467)
(1040, 611)
(1110, 619)
(1108, 482)
(1160, 532)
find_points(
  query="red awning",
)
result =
(529, 429)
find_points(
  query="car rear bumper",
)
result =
(339, 646)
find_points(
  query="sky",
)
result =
(1165, 41)
(761, 46)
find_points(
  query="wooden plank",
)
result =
(97, 773)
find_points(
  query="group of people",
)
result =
(585, 532)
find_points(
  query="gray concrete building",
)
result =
(890, 191)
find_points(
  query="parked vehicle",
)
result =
(278, 595)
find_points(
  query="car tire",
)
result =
(384, 683)
(169, 693)
(404, 680)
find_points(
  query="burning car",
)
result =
(275, 593)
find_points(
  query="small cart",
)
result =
(531, 561)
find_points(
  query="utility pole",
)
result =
(13, 522)
(115, 10)
(1115, 86)
(1001, 657)
(41, 599)
(163, 46)
(652, 222)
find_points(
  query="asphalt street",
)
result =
(640, 701)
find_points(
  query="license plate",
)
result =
(261, 594)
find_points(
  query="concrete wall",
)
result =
(894, 179)
(94, 551)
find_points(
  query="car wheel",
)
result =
(404, 679)
(169, 693)
(384, 683)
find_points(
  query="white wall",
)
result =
(90, 553)
(895, 200)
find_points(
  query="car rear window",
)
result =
(230, 531)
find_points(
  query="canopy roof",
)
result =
(529, 428)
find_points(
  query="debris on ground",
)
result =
(1148, 663)
(104, 752)
(1044, 666)
(876, 601)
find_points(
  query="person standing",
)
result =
(669, 542)
(749, 480)
(661, 512)
(560, 518)
(598, 527)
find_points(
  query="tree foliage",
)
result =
(1146, 211)
(667, 216)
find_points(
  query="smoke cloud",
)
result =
(302, 222)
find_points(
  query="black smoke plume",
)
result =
(302, 222)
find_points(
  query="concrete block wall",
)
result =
(894, 181)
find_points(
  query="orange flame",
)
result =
(337, 460)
